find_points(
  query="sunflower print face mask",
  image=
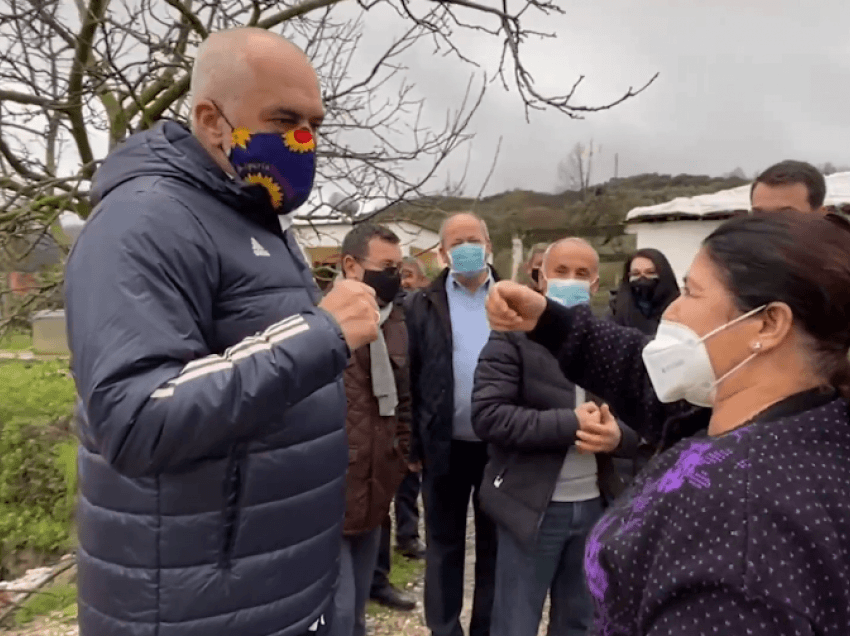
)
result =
(284, 164)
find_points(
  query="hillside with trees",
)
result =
(598, 214)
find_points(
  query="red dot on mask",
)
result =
(303, 136)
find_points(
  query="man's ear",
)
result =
(350, 268)
(206, 124)
(594, 287)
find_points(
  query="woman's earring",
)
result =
(756, 347)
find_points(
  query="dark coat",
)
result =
(213, 447)
(625, 307)
(432, 374)
(378, 446)
(525, 408)
(741, 533)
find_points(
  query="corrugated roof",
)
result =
(729, 202)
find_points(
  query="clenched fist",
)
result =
(598, 430)
(514, 307)
(353, 306)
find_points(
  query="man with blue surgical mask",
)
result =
(550, 471)
(570, 271)
(447, 327)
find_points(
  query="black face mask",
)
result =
(385, 282)
(535, 274)
(644, 288)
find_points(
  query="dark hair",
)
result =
(790, 172)
(802, 260)
(662, 265)
(412, 260)
(356, 242)
(624, 306)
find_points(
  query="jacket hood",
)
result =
(169, 149)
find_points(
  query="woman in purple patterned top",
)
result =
(745, 528)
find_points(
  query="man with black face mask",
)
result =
(377, 385)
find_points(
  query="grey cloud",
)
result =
(741, 84)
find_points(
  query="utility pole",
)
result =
(616, 164)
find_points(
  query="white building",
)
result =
(678, 227)
(321, 238)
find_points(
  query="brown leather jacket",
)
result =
(378, 446)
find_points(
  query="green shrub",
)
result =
(35, 392)
(38, 478)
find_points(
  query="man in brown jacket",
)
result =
(377, 385)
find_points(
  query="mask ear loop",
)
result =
(734, 322)
(735, 369)
(756, 348)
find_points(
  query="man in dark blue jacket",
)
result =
(212, 418)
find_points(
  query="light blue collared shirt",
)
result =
(470, 332)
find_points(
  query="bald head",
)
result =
(572, 258)
(466, 221)
(254, 79)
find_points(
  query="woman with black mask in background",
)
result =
(648, 288)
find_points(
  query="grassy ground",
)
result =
(39, 392)
(16, 342)
(62, 596)
(406, 574)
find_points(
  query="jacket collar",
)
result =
(437, 295)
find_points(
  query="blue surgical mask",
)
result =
(284, 164)
(569, 292)
(468, 259)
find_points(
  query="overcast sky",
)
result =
(742, 84)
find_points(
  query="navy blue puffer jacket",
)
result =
(213, 448)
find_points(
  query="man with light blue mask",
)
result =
(447, 327)
(570, 272)
(551, 468)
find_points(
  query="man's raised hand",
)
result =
(353, 306)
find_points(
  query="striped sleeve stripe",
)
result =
(265, 345)
(275, 334)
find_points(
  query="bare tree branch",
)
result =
(190, 17)
(85, 39)
(73, 82)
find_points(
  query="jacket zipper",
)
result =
(232, 496)
(497, 482)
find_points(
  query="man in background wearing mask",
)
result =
(408, 542)
(377, 384)
(448, 328)
(550, 471)
(212, 418)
